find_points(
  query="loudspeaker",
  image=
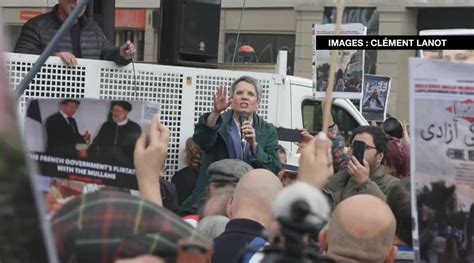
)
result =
(103, 13)
(189, 32)
(156, 19)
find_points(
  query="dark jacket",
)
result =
(115, 144)
(214, 143)
(342, 186)
(239, 234)
(185, 181)
(168, 195)
(62, 137)
(39, 31)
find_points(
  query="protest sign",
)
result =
(442, 152)
(375, 97)
(466, 56)
(350, 64)
(87, 140)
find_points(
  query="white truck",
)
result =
(184, 94)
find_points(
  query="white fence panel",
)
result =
(184, 93)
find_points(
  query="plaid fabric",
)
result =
(340, 153)
(106, 225)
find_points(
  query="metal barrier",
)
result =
(183, 93)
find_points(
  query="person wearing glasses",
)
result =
(366, 178)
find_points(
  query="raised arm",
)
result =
(149, 156)
(205, 131)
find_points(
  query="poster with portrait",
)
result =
(442, 157)
(87, 140)
(375, 97)
(349, 71)
(465, 56)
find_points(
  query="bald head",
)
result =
(254, 194)
(362, 228)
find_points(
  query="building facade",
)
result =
(271, 25)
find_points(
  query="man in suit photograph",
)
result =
(62, 132)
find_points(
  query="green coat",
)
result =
(342, 186)
(214, 142)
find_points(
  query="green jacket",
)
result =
(214, 142)
(342, 186)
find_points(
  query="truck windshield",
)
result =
(313, 118)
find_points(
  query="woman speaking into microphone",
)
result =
(237, 133)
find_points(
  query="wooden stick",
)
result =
(332, 70)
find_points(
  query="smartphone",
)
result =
(358, 150)
(289, 135)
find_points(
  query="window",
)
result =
(313, 118)
(265, 48)
(13, 32)
(367, 16)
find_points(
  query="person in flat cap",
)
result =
(115, 141)
(223, 177)
(225, 172)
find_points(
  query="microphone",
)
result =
(244, 116)
(301, 204)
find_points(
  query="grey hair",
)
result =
(250, 80)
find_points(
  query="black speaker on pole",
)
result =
(189, 32)
(103, 13)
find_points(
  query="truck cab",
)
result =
(298, 108)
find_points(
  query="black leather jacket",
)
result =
(39, 31)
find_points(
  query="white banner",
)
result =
(442, 152)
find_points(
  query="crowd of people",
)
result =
(241, 197)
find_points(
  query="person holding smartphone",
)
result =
(238, 133)
(366, 175)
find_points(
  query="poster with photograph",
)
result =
(350, 64)
(375, 97)
(465, 56)
(442, 157)
(87, 140)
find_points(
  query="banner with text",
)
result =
(90, 141)
(442, 131)
(395, 42)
